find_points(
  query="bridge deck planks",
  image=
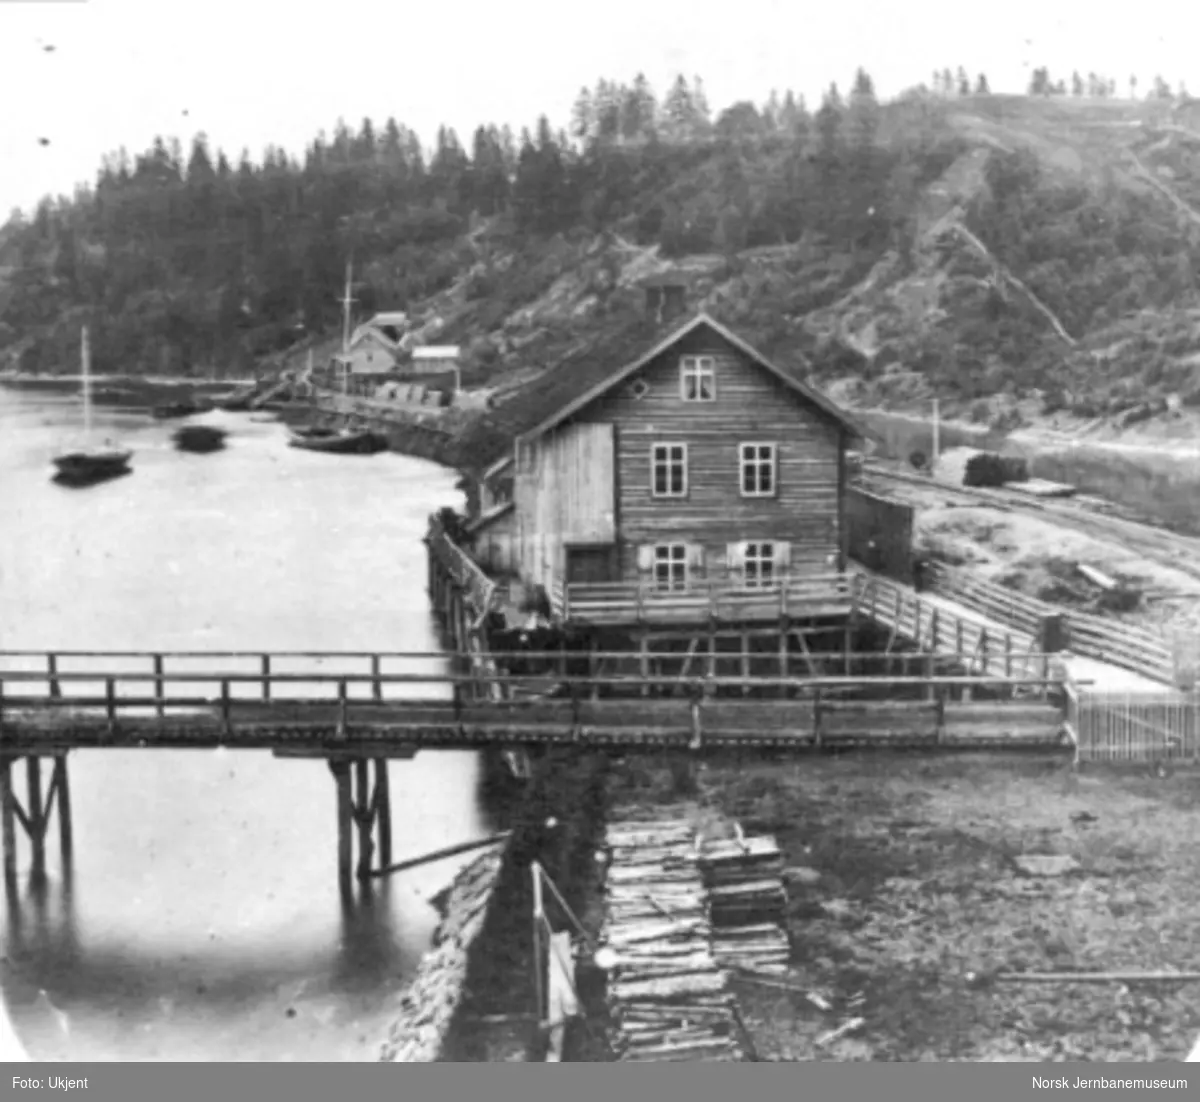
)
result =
(395, 728)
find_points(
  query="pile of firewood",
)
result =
(667, 998)
(743, 878)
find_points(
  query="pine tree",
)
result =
(964, 82)
(583, 116)
(679, 112)
(981, 86)
(772, 112)
(703, 114)
(863, 112)
(1076, 84)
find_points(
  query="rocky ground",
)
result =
(907, 881)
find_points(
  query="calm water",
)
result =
(202, 919)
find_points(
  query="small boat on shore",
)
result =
(90, 463)
(338, 441)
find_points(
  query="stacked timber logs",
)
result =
(667, 998)
(429, 1003)
(747, 902)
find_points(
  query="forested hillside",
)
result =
(951, 241)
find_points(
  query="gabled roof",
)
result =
(580, 380)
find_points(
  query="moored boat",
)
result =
(89, 463)
(184, 408)
(199, 438)
(339, 441)
(92, 464)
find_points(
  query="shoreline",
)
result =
(147, 380)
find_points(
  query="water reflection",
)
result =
(202, 917)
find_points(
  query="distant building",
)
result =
(386, 331)
(434, 359)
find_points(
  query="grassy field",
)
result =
(913, 885)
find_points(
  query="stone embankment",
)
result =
(473, 996)
(429, 1004)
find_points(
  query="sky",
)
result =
(250, 73)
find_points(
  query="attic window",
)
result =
(697, 379)
(638, 389)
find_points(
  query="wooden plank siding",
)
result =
(751, 407)
(564, 493)
(493, 544)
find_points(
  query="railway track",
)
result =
(1167, 548)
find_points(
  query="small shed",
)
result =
(435, 359)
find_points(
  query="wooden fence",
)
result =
(1131, 648)
(1133, 727)
(904, 613)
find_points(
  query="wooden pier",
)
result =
(359, 719)
(359, 711)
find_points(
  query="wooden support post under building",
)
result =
(745, 664)
(784, 654)
(644, 659)
(710, 688)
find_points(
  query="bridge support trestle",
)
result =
(35, 816)
(364, 818)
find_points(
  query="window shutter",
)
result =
(645, 557)
(735, 555)
(783, 553)
(695, 556)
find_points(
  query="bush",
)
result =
(990, 469)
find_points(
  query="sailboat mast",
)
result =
(86, 358)
(346, 301)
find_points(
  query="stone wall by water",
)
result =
(428, 1004)
(480, 965)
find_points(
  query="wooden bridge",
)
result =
(358, 710)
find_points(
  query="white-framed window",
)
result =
(698, 379)
(670, 567)
(758, 467)
(668, 470)
(760, 565)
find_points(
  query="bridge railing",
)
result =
(905, 612)
(815, 709)
(730, 599)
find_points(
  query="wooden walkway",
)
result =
(46, 708)
(939, 627)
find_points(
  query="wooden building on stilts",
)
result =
(673, 495)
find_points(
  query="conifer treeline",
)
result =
(191, 261)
